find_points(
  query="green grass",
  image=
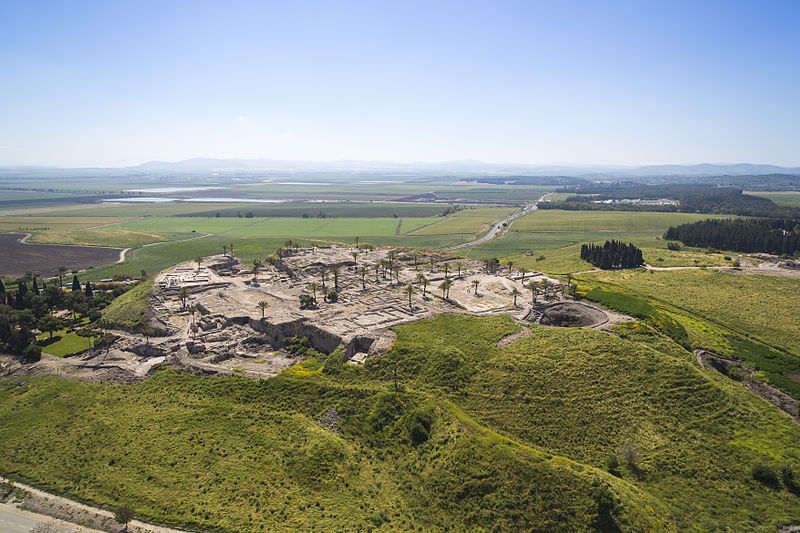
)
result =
(787, 199)
(67, 342)
(637, 307)
(187, 225)
(728, 320)
(130, 310)
(764, 307)
(467, 222)
(477, 438)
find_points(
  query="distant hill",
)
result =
(461, 168)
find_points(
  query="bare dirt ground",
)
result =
(18, 256)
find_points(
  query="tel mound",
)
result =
(472, 437)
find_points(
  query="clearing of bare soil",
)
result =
(19, 256)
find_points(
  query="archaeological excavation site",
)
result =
(217, 316)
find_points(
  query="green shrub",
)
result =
(765, 474)
(418, 425)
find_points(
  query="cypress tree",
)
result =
(76, 285)
(88, 289)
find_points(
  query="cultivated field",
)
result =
(467, 222)
(19, 257)
(787, 198)
(555, 235)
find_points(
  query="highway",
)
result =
(497, 228)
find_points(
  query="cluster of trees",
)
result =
(32, 306)
(691, 198)
(774, 236)
(612, 254)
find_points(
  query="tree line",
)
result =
(773, 236)
(691, 198)
(612, 254)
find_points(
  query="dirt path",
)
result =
(521, 334)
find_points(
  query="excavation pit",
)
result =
(573, 315)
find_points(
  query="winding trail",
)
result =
(498, 227)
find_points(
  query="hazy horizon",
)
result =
(513, 83)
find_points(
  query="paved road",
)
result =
(15, 521)
(497, 228)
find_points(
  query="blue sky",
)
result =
(601, 82)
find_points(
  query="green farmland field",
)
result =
(467, 222)
(557, 235)
(788, 199)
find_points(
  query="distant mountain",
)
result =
(201, 166)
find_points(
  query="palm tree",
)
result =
(199, 261)
(384, 266)
(183, 294)
(510, 266)
(515, 292)
(391, 255)
(545, 284)
(354, 253)
(448, 284)
(377, 267)
(224, 249)
(415, 255)
(363, 272)
(458, 266)
(263, 306)
(422, 280)
(524, 271)
(446, 269)
(313, 286)
(409, 290)
(533, 287)
(230, 248)
(336, 271)
(256, 266)
(396, 271)
(443, 287)
(475, 283)
(432, 262)
(323, 272)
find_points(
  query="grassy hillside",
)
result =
(130, 310)
(475, 437)
(764, 307)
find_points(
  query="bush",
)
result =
(32, 353)
(765, 475)
(418, 424)
(789, 481)
(605, 502)
(612, 464)
(674, 246)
